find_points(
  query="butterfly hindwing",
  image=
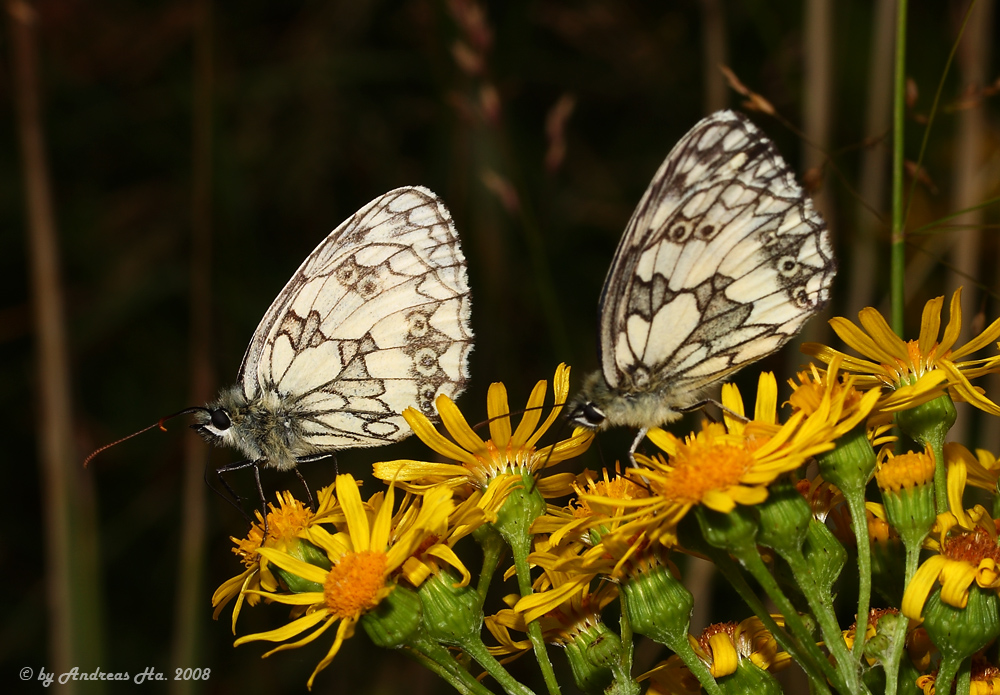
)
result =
(722, 262)
(374, 321)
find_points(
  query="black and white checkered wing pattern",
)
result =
(723, 261)
(374, 321)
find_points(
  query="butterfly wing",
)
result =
(374, 321)
(722, 262)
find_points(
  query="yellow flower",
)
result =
(967, 554)
(363, 560)
(288, 525)
(725, 465)
(722, 647)
(917, 371)
(500, 460)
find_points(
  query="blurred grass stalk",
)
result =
(190, 597)
(75, 634)
(897, 280)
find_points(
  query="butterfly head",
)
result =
(219, 422)
(585, 410)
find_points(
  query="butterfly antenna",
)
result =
(158, 423)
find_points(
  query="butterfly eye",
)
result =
(592, 414)
(220, 419)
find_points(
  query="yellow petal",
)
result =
(429, 435)
(954, 326)
(531, 416)
(724, 656)
(956, 578)
(766, 408)
(458, 427)
(354, 511)
(296, 627)
(498, 411)
(382, 529)
(985, 338)
(344, 631)
(406, 470)
(288, 563)
(920, 587)
(930, 325)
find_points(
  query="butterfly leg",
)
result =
(711, 401)
(235, 499)
(635, 444)
(309, 496)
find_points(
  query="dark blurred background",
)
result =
(197, 151)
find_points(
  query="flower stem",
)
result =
(535, 627)
(802, 647)
(478, 651)
(821, 603)
(950, 663)
(439, 660)
(855, 500)
(751, 560)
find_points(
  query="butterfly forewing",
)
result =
(374, 321)
(722, 262)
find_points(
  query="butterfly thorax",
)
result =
(266, 428)
(640, 405)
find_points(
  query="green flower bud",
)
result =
(930, 422)
(396, 620)
(851, 463)
(658, 605)
(523, 505)
(959, 633)
(452, 614)
(593, 651)
(784, 518)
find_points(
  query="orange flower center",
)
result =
(700, 467)
(972, 547)
(352, 585)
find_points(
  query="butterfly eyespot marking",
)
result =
(425, 361)
(706, 231)
(802, 299)
(368, 288)
(679, 232)
(418, 325)
(347, 274)
(220, 419)
(787, 266)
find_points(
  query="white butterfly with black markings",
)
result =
(722, 263)
(375, 320)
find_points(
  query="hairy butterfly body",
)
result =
(375, 320)
(722, 263)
